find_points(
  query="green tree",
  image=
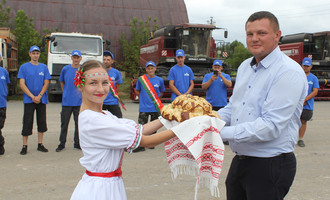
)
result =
(26, 36)
(237, 53)
(140, 33)
(4, 15)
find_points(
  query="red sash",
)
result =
(114, 93)
(151, 92)
(115, 173)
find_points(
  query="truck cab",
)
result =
(60, 47)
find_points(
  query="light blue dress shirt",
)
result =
(263, 114)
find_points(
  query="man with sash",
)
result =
(111, 102)
(150, 88)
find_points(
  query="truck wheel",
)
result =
(51, 97)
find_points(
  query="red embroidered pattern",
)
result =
(201, 134)
(137, 137)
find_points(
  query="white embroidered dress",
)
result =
(103, 138)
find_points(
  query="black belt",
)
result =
(242, 157)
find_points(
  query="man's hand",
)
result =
(36, 99)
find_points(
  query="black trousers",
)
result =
(144, 116)
(114, 109)
(2, 123)
(65, 119)
(251, 178)
(28, 115)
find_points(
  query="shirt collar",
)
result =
(268, 60)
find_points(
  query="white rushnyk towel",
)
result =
(198, 147)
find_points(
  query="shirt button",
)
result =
(249, 86)
(237, 120)
(243, 103)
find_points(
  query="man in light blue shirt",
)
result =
(263, 115)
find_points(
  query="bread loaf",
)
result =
(187, 106)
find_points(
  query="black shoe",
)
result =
(77, 146)
(301, 143)
(2, 149)
(225, 142)
(42, 148)
(139, 149)
(24, 150)
(59, 148)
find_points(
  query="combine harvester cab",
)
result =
(317, 47)
(198, 44)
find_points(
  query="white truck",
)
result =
(60, 46)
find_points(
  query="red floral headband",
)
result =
(79, 78)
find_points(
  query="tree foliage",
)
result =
(237, 53)
(26, 36)
(140, 33)
(4, 15)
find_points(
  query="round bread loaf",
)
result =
(187, 106)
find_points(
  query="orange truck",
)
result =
(8, 50)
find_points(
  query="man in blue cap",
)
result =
(71, 100)
(34, 80)
(4, 80)
(313, 87)
(181, 77)
(216, 84)
(111, 103)
(148, 98)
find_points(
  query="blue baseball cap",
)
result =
(217, 62)
(307, 61)
(108, 53)
(34, 48)
(76, 53)
(179, 52)
(150, 63)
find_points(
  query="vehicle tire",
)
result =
(51, 97)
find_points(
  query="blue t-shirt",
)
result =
(116, 78)
(34, 76)
(216, 93)
(313, 82)
(146, 105)
(71, 95)
(4, 80)
(181, 77)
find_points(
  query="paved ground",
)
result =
(146, 174)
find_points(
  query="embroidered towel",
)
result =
(198, 147)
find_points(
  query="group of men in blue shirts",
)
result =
(34, 79)
(181, 81)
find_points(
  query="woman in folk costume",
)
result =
(103, 137)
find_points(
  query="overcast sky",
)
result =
(295, 16)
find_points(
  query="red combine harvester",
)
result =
(198, 44)
(317, 47)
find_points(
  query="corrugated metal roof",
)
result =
(109, 17)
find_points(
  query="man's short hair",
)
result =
(262, 15)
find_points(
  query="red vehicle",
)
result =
(315, 46)
(197, 42)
